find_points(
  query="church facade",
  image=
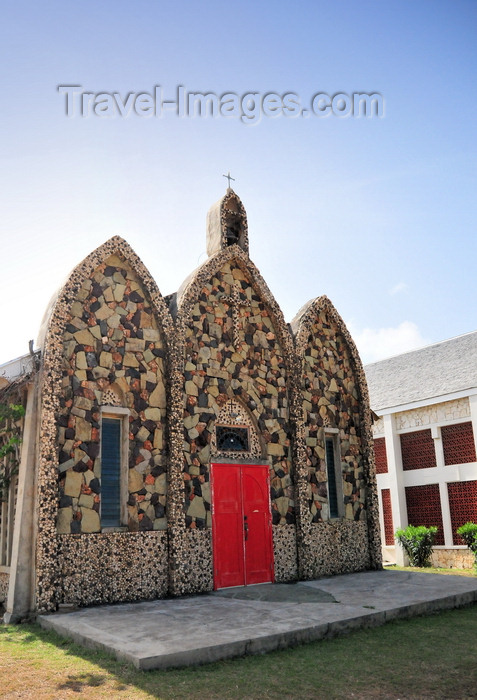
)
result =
(174, 445)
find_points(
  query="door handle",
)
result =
(245, 527)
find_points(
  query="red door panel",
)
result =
(227, 526)
(256, 506)
(241, 522)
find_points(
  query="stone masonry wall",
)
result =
(452, 558)
(332, 393)
(225, 312)
(331, 400)
(113, 355)
(111, 341)
(106, 341)
(232, 350)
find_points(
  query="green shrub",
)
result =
(468, 532)
(417, 542)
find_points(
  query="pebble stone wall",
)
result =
(285, 553)
(102, 568)
(338, 547)
(223, 342)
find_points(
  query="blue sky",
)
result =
(379, 214)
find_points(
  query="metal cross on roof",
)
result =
(229, 177)
(234, 301)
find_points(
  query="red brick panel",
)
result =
(418, 450)
(424, 508)
(380, 456)
(463, 505)
(387, 517)
(458, 443)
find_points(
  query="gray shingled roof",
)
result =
(432, 371)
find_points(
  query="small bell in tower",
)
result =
(232, 232)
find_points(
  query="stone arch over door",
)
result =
(107, 342)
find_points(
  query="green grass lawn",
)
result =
(433, 570)
(428, 657)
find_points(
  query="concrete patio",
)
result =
(257, 619)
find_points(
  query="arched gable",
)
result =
(192, 288)
(235, 343)
(105, 353)
(336, 412)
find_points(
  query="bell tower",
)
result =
(227, 224)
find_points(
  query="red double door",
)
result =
(242, 525)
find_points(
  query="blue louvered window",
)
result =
(332, 486)
(111, 472)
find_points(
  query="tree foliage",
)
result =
(10, 438)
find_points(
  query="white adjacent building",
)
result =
(425, 437)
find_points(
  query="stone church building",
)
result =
(174, 445)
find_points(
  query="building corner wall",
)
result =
(20, 599)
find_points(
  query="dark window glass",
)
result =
(111, 472)
(232, 439)
(330, 466)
